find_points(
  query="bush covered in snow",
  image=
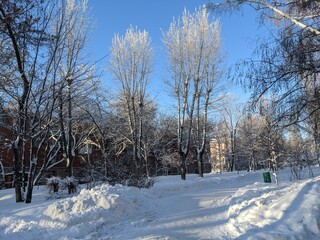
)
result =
(53, 184)
(58, 185)
(139, 182)
(71, 184)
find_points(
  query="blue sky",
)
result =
(114, 16)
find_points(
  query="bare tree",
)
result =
(299, 152)
(24, 33)
(36, 34)
(209, 77)
(98, 116)
(74, 70)
(289, 61)
(130, 64)
(250, 139)
(64, 57)
(287, 65)
(193, 44)
(165, 144)
(272, 135)
(303, 13)
(231, 114)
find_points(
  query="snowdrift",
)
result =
(78, 216)
(289, 211)
(110, 203)
(248, 208)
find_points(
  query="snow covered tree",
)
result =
(193, 46)
(36, 34)
(75, 72)
(273, 135)
(130, 65)
(24, 33)
(299, 152)
(312, 127)
(68, 68)
(250, 139)
(98, 115)
(165, 144)
(231, 114)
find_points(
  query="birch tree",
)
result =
(130, 65)
(304, 14)
(193, 47)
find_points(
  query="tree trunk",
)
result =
(200, 163)
(22, 107)
(30, 182)
(16, 174)
(145, 150)
(183, 166)
(275, 167)
(62, 128)
(232, 138)
(231, 162)
(23, 167)
(2, 173)
(316, 137)
(70, 152)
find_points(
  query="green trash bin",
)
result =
(267, 177)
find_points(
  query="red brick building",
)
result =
(6, 156)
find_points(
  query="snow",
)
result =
(218, 206)
(289, 211)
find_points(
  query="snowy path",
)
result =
(188, 213)
(227, 206)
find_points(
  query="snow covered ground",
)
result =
(219, 206)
